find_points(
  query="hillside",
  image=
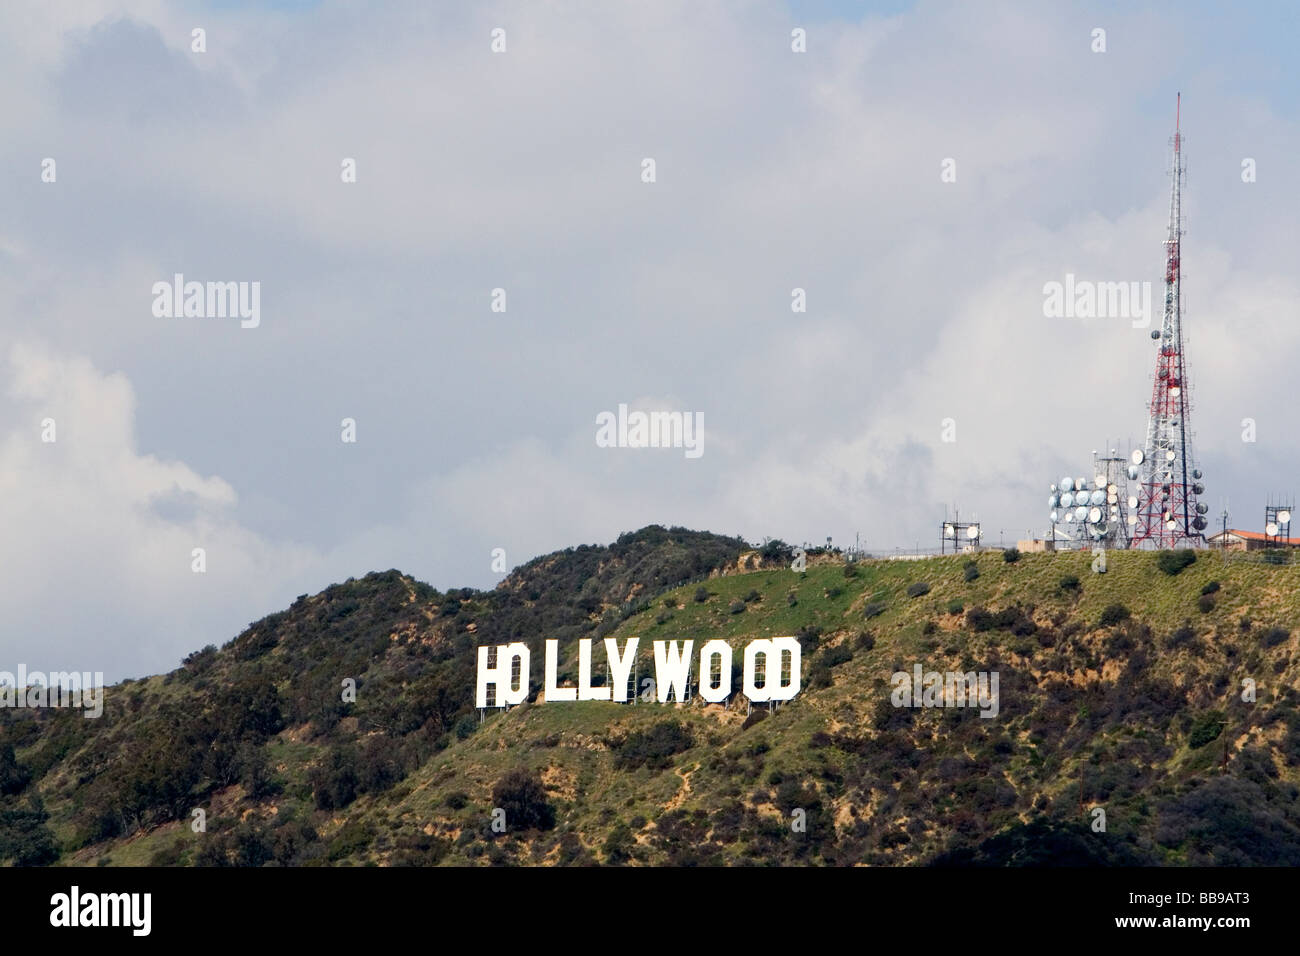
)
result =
(1121, 691)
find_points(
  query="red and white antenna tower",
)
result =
(1168, 514)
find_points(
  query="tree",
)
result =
(523, 799)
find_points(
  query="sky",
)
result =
(920, 171)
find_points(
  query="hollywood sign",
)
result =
(773, 659)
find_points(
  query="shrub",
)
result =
(1011, 555)
(701, 594)
(1176, 561)
(833, 592)
(1206, 603)
(653, 747)
(1276, 556)
(791, 599)
(1210, 588)
(873, 610)
(663, 617)
(736, 607)
(955, 607)
(1275, 636)
(1069, 583)
(523, 799)
(753, 596)
(850, 570)
(866, 641)
(971, 571)
(917, 588)
(1205, 729)
(1183, 635)
(835, 656)
(1114, 614)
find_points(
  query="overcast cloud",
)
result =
(522, 170)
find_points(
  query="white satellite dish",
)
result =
(1284, 517)
(1112, 489)
(1112, 500)
(1098, 497)
(1094, 515)
(1067, 483)
(1137, 456)
(1081, 484)
(1171, 524)
(1132, 472)
(1175, 391)
(1054, 517)
(948, 531)
(1132, 519)
(1270, 529)
(973, 531)
(1069, 518)
(1053, 487)
(1067, 500)
(1132, 501)
(1081, 514)
(1053, 501)
(1099, 481)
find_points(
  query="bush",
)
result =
(1011, 555)
(1069, 583)
(791, 599)
(736, 607)
(701, 594)
(971, 571)
(866, 641)
(873, 610)
(1210, 588)
(1206, 603)
(523, 799)
(1276, 556)
(1183, 635)
(753, 596)
(851, 570)
(1275, 636)
(955, 607)
(1175, 562)
(654, 747)
(1205, 729)
(1114, 614)
(835, 656)
(917, 588)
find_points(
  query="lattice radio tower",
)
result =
(1168, 514)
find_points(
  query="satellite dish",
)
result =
(1155, 333)
(1132, 519)
(1067, 483)
(1067, 500)
(1112, 489)
(1081, 514)
(1175, 391)
(1270, 529)
(1069, 518)
(1202, 508)
(1054, 517)
(1099, 481)
(1112, 500)
(1098, 497)
(948, 531)
(1198, 488)
(1132, 472)
(1170, 455)
(1053, 501)
(973, 532)
(1196, 473)
(1171, 524)
(1081, 484)
(1053, 487)
(1137, 457)
(1094, 515)
(1284, 517)
(1198, 523)
(1132, 501)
